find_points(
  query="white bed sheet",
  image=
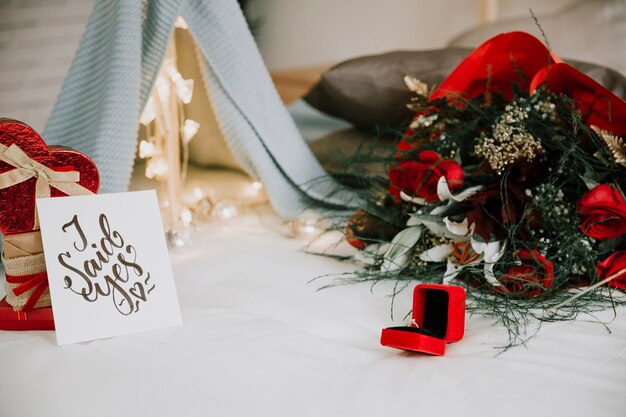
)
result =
(259, 340)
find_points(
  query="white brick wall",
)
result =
(38, 39)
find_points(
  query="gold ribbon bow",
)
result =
(26, 168)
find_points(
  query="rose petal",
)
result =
(437, 253)
(603, 212)
(444, 193)
(415, 200)
(614, 265)
(458, 229)
(429, 157)
(492, 251)
(490, 276)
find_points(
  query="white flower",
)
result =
(463, 250)
(492, 252)
(445, 227)
(444, 194)
(462, 254)
(435, 226)
(415, 200)
(395, 254)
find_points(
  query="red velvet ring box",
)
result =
(439, 312)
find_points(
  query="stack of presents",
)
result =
(29, 169)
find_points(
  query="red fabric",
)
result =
(614, 265)
(505, 59)
(519, 58)
(598, 106)
(603, 212)
(19, 215)
(419, 178)
(37, 319)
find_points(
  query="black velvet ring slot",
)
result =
(436, 312)
(435, 320)
(419, 330)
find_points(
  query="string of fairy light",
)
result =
(165, 148)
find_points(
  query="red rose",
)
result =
(614, 265)
(419, 178)
(355, 227)
(534, 276)
(603, 212)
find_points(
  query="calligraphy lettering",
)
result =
(111, 269)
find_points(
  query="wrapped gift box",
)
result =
(37, 319)
(26, 284)
(29, 169)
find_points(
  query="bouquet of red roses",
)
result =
(510, 181)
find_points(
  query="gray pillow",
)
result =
(369, 91)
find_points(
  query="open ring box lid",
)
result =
(439, 312)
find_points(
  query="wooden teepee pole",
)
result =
(172, 144)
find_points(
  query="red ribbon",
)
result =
(26, 283)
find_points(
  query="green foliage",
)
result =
(538, 198)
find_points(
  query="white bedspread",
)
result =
(259, 340)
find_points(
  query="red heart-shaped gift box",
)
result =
(28, 167)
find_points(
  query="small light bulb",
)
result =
(173, 72)
(146, 149)
(306, 225)
(204, 208)
(226, 210)
(185, 90)
(180, 23)
(186, 217)
(157, 168)
(309, 230)
(149, 112)
(190, 128)
(163, 89)
(198, 193)
(257, 185)
(181, 235)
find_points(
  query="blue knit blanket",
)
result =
(111, 76)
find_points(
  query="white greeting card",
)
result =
(108, 265)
